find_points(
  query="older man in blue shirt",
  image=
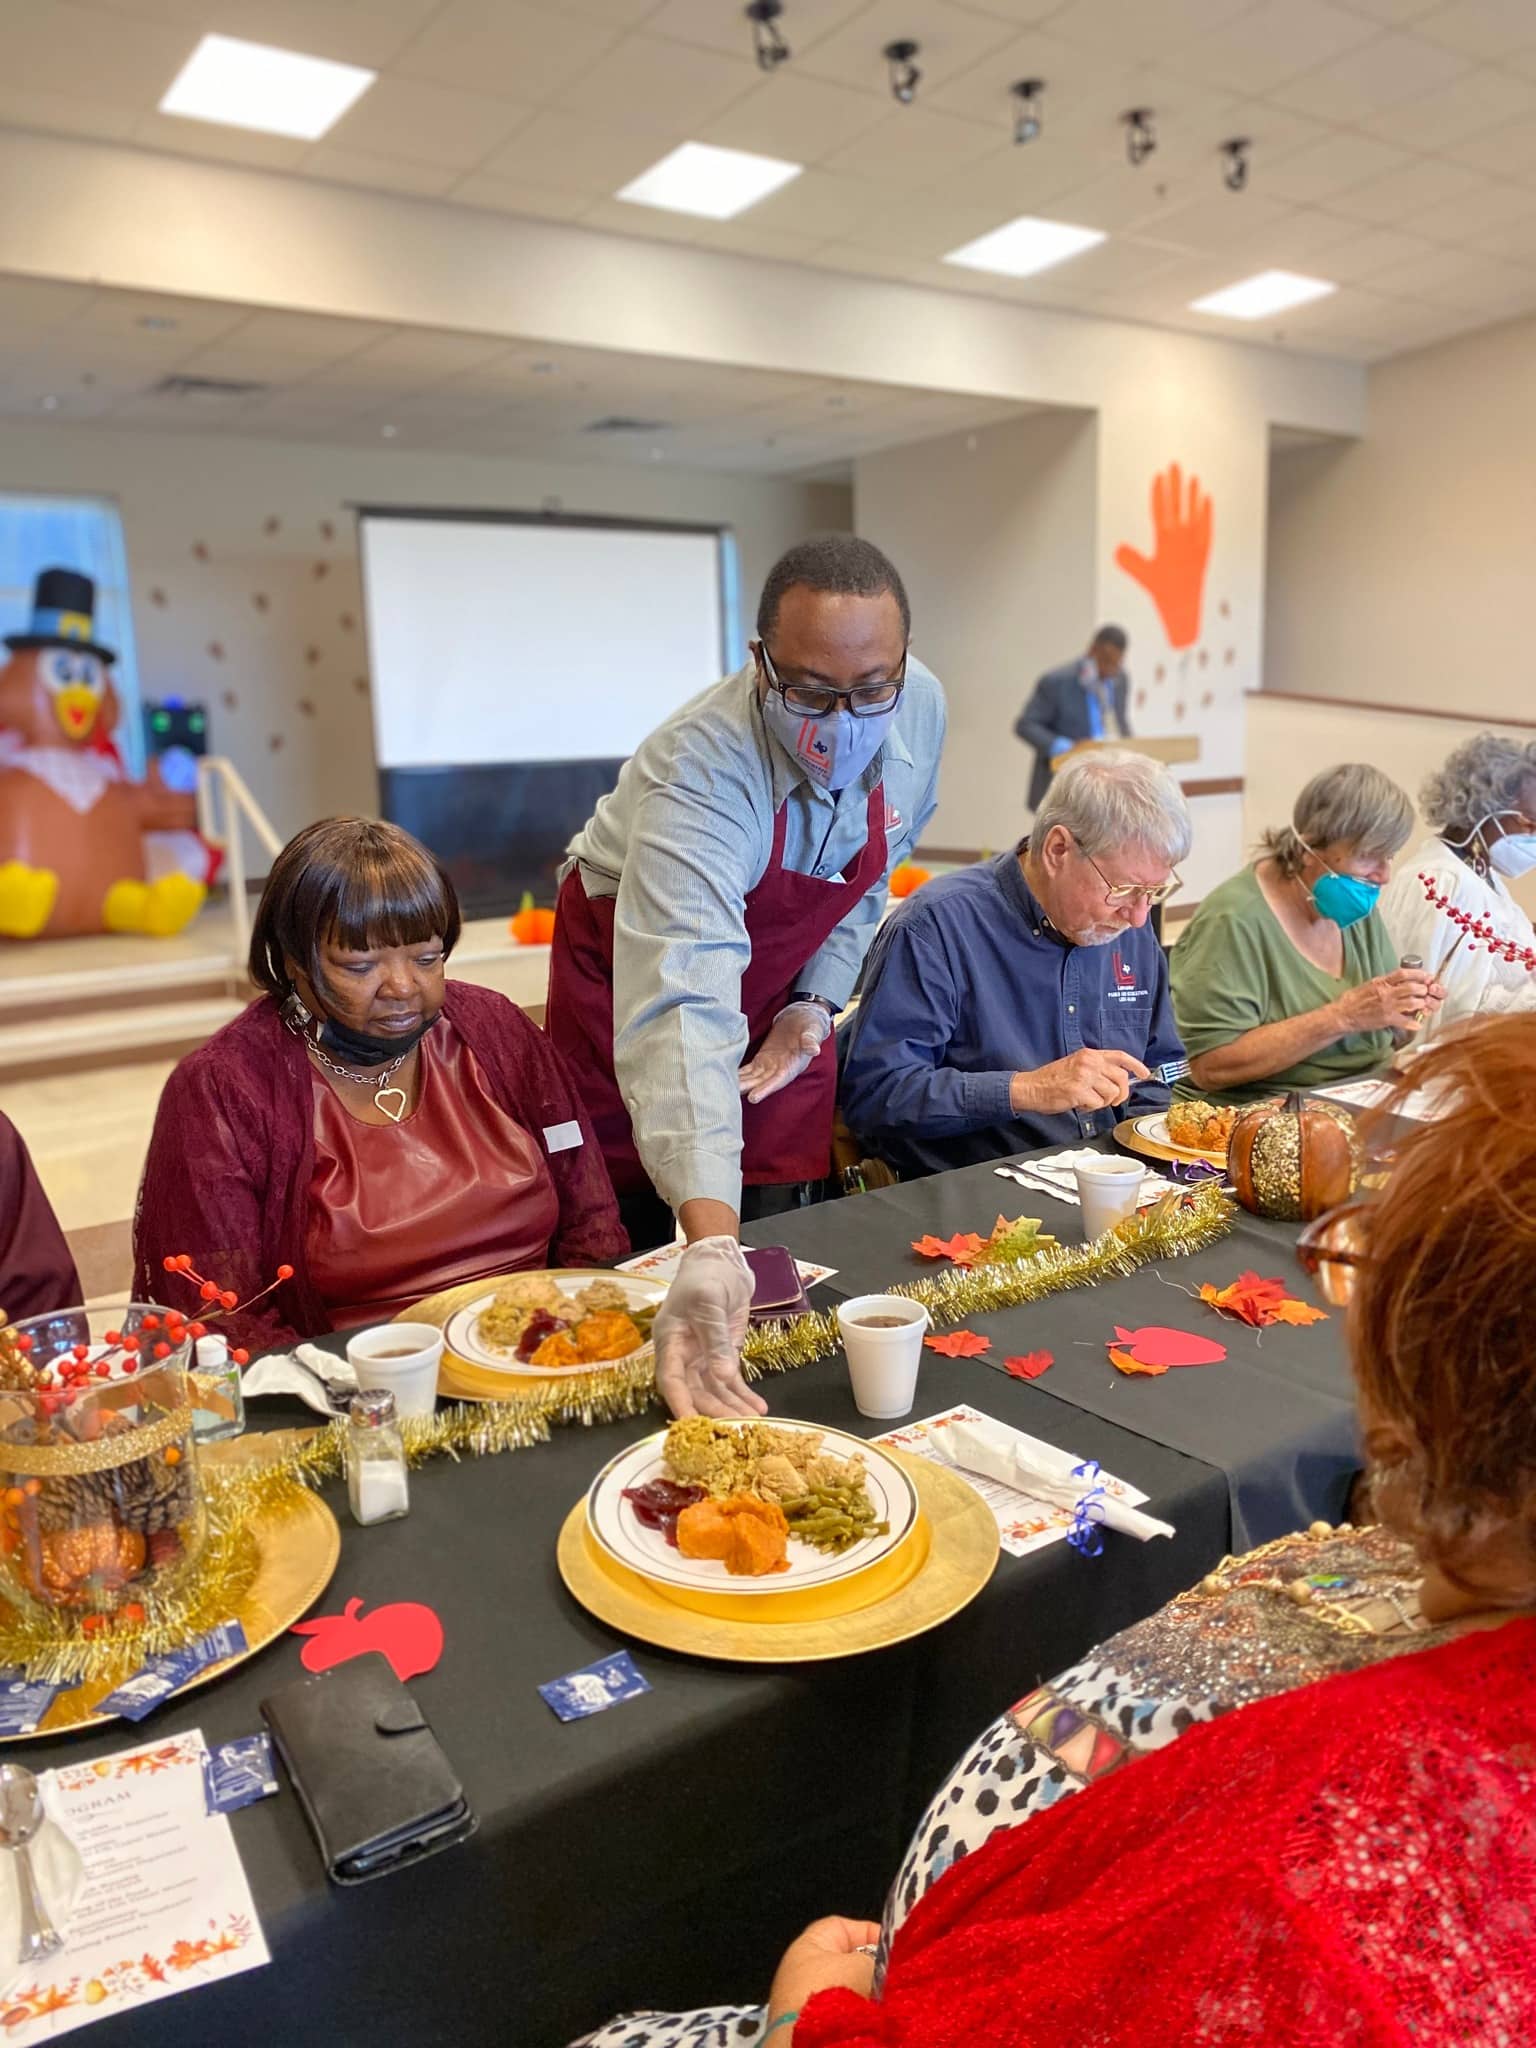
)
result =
(1025, 1001)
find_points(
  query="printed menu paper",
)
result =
(166, 1906)
(1023, 1523)
(662, 1265)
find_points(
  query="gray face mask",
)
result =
(834, 750)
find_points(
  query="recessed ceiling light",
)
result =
(1270, 291)
(389, 433)
(50, 403)
(253, 85)
(1024, 246)
(716, 184)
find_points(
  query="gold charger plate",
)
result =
(459, 1379)
(299, 1545)
(1126, 1134)
(961, 1534)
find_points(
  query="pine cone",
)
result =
(145, 1496)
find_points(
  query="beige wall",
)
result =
(994, 535)
(246, 585)
(1400, 565)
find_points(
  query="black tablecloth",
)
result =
(662, 1853)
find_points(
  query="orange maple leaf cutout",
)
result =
(960, 1344)
(1260, 1302)
(1126, 1363)
(1299, 1313)
(962, 1247)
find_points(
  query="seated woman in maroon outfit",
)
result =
(382, 1131)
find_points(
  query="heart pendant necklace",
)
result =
(389, 1102)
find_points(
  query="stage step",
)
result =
(108, 1032)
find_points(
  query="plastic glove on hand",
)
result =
(794, 1038)
(699, 1332)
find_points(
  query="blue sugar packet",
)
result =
(238, 1773)
(24, 1701)
(599, 1685)
(161, 1676)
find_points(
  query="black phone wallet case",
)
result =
(373, 1781)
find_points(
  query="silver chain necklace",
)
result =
(373, 1081)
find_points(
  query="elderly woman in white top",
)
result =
(1482, 805)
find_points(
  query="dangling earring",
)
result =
(296, 1016)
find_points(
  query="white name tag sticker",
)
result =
(562, 1137)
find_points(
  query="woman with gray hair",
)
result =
(1286, 978)
(1482, 806)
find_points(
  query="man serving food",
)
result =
(712, 923)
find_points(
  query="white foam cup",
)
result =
(410, 1375)
(883, 1362)
(1109, 1190)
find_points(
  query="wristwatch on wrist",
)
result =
(803, 995)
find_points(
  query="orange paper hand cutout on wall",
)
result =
(1173, 575)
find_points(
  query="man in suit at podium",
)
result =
(1082, 700)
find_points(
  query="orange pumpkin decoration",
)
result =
(1293, 1160)
(907, 878)
(531, 926)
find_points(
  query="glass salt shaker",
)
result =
(378, 1483)
(218, 1404)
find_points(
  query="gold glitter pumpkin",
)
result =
(1292, 1161)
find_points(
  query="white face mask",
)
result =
(1514, 854)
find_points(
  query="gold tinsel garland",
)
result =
(53, 1645)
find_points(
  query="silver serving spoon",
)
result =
(21, 1819)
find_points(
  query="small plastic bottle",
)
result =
(218, 1404)
(378, 1481)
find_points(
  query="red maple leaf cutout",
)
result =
(960, 1344)
(1030, 1366)
(962, 1247)
(1260, 1302)
(1159, 1346)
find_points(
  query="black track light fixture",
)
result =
(900, 60)
(768, 44)
(1140, 137)
(1027, 117)
(1234, 163)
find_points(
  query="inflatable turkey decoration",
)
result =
(72, 826)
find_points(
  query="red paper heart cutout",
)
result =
(408, 1634)
(1155, 1344)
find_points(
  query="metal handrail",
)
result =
(223, 802)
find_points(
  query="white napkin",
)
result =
(60, 1871)
(1056, 1177)
(307, 1371)
(1023, 1462)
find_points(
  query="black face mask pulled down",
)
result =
(352, 1048)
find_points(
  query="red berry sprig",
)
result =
(229, 1303)
(1478, 931)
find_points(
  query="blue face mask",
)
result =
(834, 750)
(1344, 898)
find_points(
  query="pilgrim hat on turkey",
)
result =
(63, 615)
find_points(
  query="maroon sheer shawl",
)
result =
(229, 1167)
(37, 1274)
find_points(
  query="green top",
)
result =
(1235, 968)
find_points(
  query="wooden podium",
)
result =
(1176, 747)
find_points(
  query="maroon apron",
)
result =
(789, 917)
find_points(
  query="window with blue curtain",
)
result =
(38, 532)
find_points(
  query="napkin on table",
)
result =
(60, 1872)
(1024, 1463)
(316, 1376)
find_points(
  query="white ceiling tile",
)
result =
(1401, 195)
(1078, 82)
(426, 123)
(1142, 28)
(505, 195)
(910, 147)
(59, 113)
(1393, 13)
(210, 140)
(665, 82)
(1467, 106)
(143, 317)
(1495, 207)
(418, 352)
(348, 33)
(712, 26)
(824, 204)
(750, 237)
(378, 173)
(1365, 256)
(1259, 50)
(243, 363)
(49, 43)
(648, 223)
(1377, 75)
(580, 152)
(1316, 175)
(1459, 277)
(1514, 243)
(1487, 29)
(951, 41)
(1303, 239)
(308, 335)
(521, 53)
(1507, 152)
(1019, 11)
(25, 302)
(616, 13)
(797, 117)
(1224, 220)
(1276, 133)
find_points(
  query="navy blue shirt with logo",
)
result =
(969, 984)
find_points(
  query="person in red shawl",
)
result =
(37, 1273)
(380, 1130)
(1297, 1807)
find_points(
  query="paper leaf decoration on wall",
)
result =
(1173, 575)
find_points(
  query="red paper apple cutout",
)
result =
(408, 1634)
(1158, 1346)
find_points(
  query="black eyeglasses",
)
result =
(816, 700)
